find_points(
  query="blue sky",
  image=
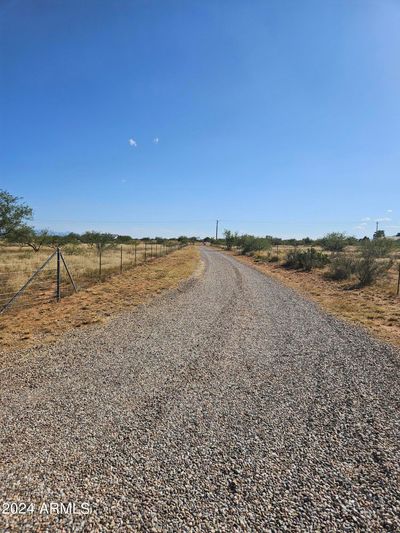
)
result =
(277, 117)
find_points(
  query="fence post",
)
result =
(100, 263)
(398, 282)
(68, 272)
(145, 251)
(135, 253)
(58, 281)
(120, 266)
(25, 285)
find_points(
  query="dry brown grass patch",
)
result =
(44, 323)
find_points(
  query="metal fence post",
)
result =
(398, 282)
(25, 285)
(58, 281)
(68, 272)
(120, 266)
(100, 263)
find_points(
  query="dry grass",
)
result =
(375, 307)
(17, 263)
(45, 322)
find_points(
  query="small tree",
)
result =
(12, 213)
(123, 239)
(230, 239)
(27, 236)
(250, 243)
(334, 242)
(100, 241)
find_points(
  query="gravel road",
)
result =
(231, 404)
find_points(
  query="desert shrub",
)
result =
(306, 260)
(231, 239)
(342, 267)
(268, 258)
(250, 244)
(258, 258)
(376, 248)
(334, 242)
(369, 269)
(314, 259)
(293, 259)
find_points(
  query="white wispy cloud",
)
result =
(132, 142)
(365, 219)
(389, 211)
(361, 227)
(384, 219)
(156, 140)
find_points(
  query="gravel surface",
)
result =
(230, 405)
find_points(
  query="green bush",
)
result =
(250, 244)
(377, 248)
(306, 260)
(334, 242)
(231, 239)
(293, 259)
(370, 269)
(342, 267)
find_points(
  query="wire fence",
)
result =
(28, 279)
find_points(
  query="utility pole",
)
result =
(216, 230)
(377, 225)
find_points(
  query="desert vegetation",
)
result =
(355, 279)
(339, 256)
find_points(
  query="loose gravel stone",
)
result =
(232, 404)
